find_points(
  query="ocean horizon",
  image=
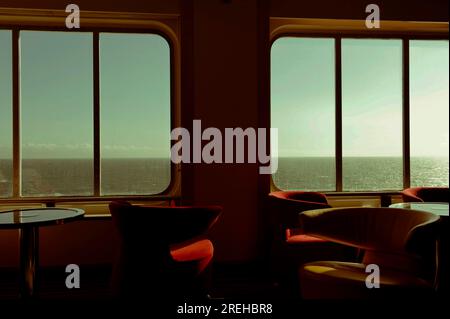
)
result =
(74, 177)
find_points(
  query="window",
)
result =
(429, 112)
(302, 70)
(135, 88)
(339, 106)
(371, 114)
(95, 114)
(5, 114)
(56, 113)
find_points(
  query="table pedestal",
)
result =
(29, 256)
(28, 222)
(444, 261)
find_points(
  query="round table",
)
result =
(28, 222)
(440, 209)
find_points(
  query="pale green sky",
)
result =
(303, 97)
(57, 95)
(429, 97)
(5, 94)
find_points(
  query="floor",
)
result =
(229, 282)
(246, 284)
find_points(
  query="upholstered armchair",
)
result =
(163, 251)
(426, 194)
(290, 247)
(401, 242)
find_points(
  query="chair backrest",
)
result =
(426, 194)
(394, 237)
(389, 229)
(169, 225)
(286, 205)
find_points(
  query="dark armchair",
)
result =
(426, 194)
(163, 252)
(400, 242)
(291, 248)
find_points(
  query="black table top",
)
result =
(18, 218)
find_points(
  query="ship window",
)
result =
(95, 114)
(371, 114)
(302, 97)
(135, 113)
(56, 113)
(429, 112)
(342, 108)
(5, 114)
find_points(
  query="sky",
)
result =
(429, 97)
(5, 94)
(57, 95)
(303, 97)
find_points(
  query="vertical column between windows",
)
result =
(16, 113)
(338, 95)
(96, 115)
(406, 122)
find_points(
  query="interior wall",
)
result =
(400, 10)
(152, 6)
(225, 96)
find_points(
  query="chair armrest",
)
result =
(409, 195)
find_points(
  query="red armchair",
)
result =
(401, 242)
(426, 194)
(162, 252)
(291, 248)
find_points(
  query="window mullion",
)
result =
(96, 115)
(17, 174)
(338, 125)
(406, 117)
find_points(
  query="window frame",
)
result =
(165, 25)
(356, 29)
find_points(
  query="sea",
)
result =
(359, 173)
(74, 177)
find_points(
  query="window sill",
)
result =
(94, 207)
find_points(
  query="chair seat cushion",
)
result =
(197, 254)
(337, 280)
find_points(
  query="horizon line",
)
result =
(137, 158)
